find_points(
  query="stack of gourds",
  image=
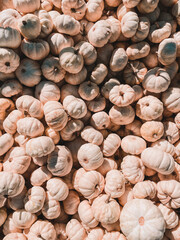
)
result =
(89, 119)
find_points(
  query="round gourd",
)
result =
(88, 90)
(23, 219)
(71, 203)
(164, 162)
(164, 145)
(29, 26)
(115, 28)
(91, 135)
(100, 33)
(51, 208)
(151, 131)
(9, 60)
(133, 144)
(25, 6)
(39, 146)
(142, 30)
(170, 99)
(9, 37)
(39, 176)
(145, 189)
(60, 161)
(10, 122)
(114, 183)
(52, 70)
(35, 50)
(168, 193)
(159, 31)
(90, 156)
(15, 236)
(133, 169)
(9, 18)
(96, 234)
(55, 116)
(58, 41)
(138, 50)
(34, 199)
(71, 130)
(88, 52)
(71, 60)
(57, 188)
(129, 24)
(11, 88)
(122, 115)
(99, 73)
(105, 209)
(142, 213)
(75, 107)
(28, 72)
(75, 231)
(74, 8)
(96, 105)
(118, 60)
(147, 6)
(149, 108)
(167, 51)
(156, 80)
(111, 144)
(3, 216)
(94, 10)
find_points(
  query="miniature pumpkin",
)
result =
(75, 107)
(6, 142)
(9, 60)
(111, 144)
(118, 60)
(9, 37)
(145, 189)
(3, 216)
(75, 8)
(96, 234)
(9, 18)
(159, 31)
(92, 135)
(39, 146)
(39, 176)
(171, 99)
(90, 156)
(23, 219)
(168, 193)
(60, 231)
(57, 189)
(71, 130)
(98, 104)
(26, 6)
(60, 161)
(140, 212)
(164, 145)
(15, 236)
(167, 51)
(138, 50)
(99, 73)
(105, 209)
(75, 231)
(88, 90)
(55, 116)
(142, 30)
(34, 199)
(129, 24)
(122, 115)
(51, 208)
(10, 122)
(71, 203)
(94, 10)
(149, 108)
(151, 131)
(164, 161)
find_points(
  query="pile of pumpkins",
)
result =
(89, 119)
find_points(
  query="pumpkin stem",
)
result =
(167, 200)
(158, 72)
(89, 84)
(24, 23)
(108, 198)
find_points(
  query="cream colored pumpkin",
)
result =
(74, 8)
(16, 160)
(127, 196)
(12, 184)
(30, 127)
(111, 236)
(71, 203)
(15, 236)
(118, 60)
(173, 233)
(95, 234)
(164, 162)
(60, 161)
(75, 107)
(60, 231)
(86, 214)
(47, 91)
(29, 26)
(159, 31)
(57, 189)
(98, 104)
(100, 33)
(51, 208)
(76, 177)
(10, 122)
(39, 146)
(54, 135)
(167, 51)
(142, 213)
(9, 37)
(133, 144)
(9, 18)
(170, 216)
(151, 131)
(91, 184)
(23, 219)
(90, 156)
(122, 115)
(92, 135)
(9, 226)
(133, 169)
(55, 116)
(35, 50)
(77, 78)
(17, 202)
(34, 199)
(108, 86)
(168, 193)
(52, 70)
(138, 50)
(149, 108)
(9, 60)
(58, 41)
(71, 60)
(171, 99)
(31, 105)
(145, 189)
(42, 229)
(25, 6)
(111, 144)
(142, 30)
(94, 10)
(156, 80)
(28, 72)
(165, 146)
(114, 183)
(11, 88)
(88, 90)
(40, 176)
(75, 231)
(106, 209)
(129, 24)
(171, 132)
(71, 130)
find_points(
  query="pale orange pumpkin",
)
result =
(133, 144)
